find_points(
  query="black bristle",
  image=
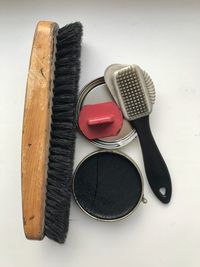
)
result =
(62, 143)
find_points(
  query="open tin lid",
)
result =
(98, 92)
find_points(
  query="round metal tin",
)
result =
(107, 194)
(97, 92)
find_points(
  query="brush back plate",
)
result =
(36, 129)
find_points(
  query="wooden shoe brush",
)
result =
(49, 130)
(133, 89)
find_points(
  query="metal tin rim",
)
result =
(141, 199)
(98, 142)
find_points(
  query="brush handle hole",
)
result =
(163, 191)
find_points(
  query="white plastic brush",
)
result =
(136, 94)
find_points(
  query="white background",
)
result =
(163, 37)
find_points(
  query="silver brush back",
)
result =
(135, 91)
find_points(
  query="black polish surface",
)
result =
(107, 185)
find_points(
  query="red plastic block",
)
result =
(100, 120)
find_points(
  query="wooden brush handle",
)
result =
(36, 129)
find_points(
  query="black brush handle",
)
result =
(155, 166)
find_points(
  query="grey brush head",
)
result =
(135, 91)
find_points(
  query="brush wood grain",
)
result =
(36, 129)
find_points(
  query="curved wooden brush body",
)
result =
(36, 129)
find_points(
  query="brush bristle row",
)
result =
(130, 89)
(150, 87)
(63, 128)
(135, 91)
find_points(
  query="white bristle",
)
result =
(150, 87)
(135, 91)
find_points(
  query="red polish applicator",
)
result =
(100, 120)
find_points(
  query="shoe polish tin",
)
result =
(97, 92)
(108, 185)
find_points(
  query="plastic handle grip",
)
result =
(102, 120)
(156, 169)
